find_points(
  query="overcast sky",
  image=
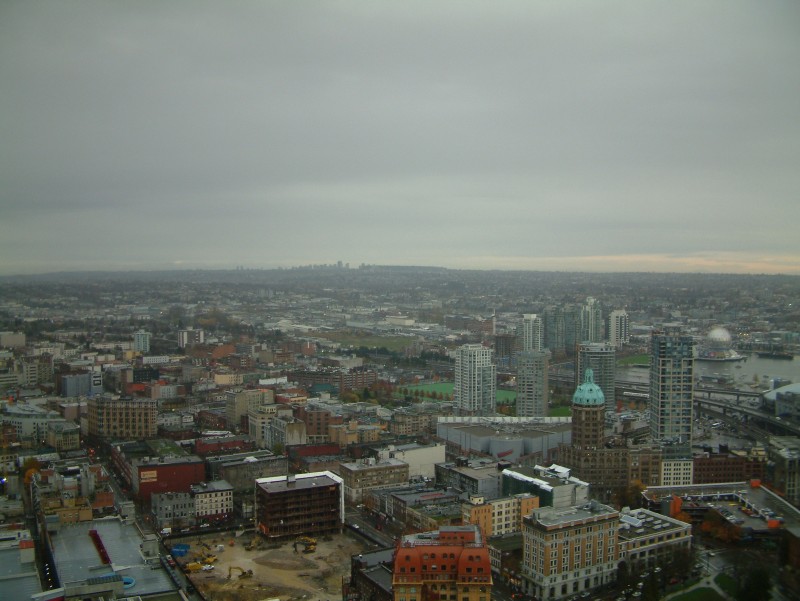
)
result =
(583, 136)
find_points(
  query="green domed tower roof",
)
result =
(589, 394)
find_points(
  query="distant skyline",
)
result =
(550, 135)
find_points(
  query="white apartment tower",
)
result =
(671, 387)
(190, 336)
(591, 321)
(618, 328)
(533, 390)
(532, 334)
(475, 387)
(141, 341)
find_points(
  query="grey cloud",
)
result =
(396, 131)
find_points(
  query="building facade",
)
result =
(452, 562)
(358, 477)
(591, 321)
(299, 505)
(501, 516)
(475, 389)
(533, 387)
(618, 328)
(648, 539)
(531, 333)
(121, 419)
(567, 552)
(671, 387)
(605, 467)
(141, 341)
(213, 501)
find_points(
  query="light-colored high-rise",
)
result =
(591, 321)
(532, 333)
(475, 389)
(671, 386)
(533, 390)
(600, 357)
(618, 328)
(141, 341)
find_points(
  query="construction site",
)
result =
(247, 567)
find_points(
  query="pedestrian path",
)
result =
(704, 582)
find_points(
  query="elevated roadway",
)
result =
(770, 423)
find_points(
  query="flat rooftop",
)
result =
(77, 559)
(640, 522)
(729, 499)
(19, 580)
(281, 484)
(549, 516)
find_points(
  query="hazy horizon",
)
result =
(613, 137)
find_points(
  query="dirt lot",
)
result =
(278, 571)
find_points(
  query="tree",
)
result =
(756, 585)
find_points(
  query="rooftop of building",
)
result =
(279, 484)
(729, 499)
(381, 576)
(552, 517)
(439, 511)
(20, 579)
(785, 446)
(589, 394)
(241, 458)
(355, 466)
(543, 477)
(211, 487)
(422, 497)
(156, 447)
(788, 389)
(506, 542)
(25, 410)
(77, 558)
(637, 523)
(446, 535)
(497, 421)
(412, 446)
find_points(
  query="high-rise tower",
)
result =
(561, 328)
(532, 383)
(532, 334)
(141, 341)
(618, 328)
(601, 359)
(591, 321)
(671, 386)
(475, 389)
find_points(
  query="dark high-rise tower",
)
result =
(671, 386)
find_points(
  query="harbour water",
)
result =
(754, 372)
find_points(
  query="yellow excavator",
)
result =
(309, 544)
(193, 567)
(242, 572)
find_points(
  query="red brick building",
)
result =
(219, 445)
(453, 562)
(717, 468)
